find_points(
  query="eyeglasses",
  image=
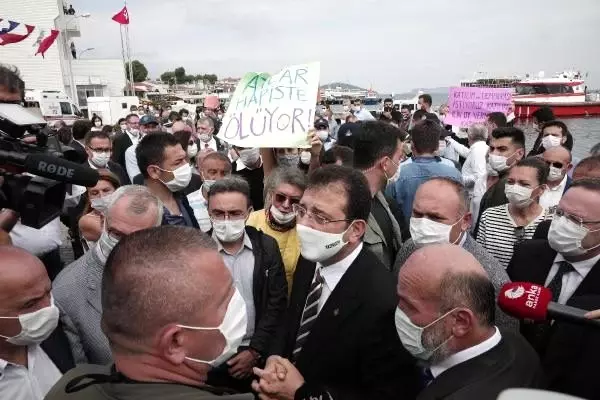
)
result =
(218, 215)
(302, 212)
(576, 219)
(282, 198)
(555, 164)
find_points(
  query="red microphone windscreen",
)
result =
(525, 300)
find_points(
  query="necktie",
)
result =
(310, 313)
(426, 376)
(555, 284)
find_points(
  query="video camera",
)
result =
(36, 170)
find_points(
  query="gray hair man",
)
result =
(441, 215)
(445, 317)
(474, 170)
(184, 318)
(76, 289)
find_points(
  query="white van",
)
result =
(111, 109)
(53, 105)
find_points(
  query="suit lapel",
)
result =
(375, 228)
(542, 260)
(341, 304)
(591, 283)
(94, 279)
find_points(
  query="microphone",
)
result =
(525, 300)
(52, 167)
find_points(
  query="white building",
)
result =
(58, 70)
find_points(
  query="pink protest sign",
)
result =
(471, 104)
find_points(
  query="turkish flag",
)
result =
(47, 42)
(7, 35)
(122, 16)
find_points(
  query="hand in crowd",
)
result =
(315, 143)
(278, 380)
(595, 314)
(240, 366)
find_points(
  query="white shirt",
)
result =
(200, 207)
(134, 139)
(212, 144)
(37, 241)
(571, 280)
(131, 164)
(28, 383)
(551, 196)
(474, 170)
(333, 273)
(466, 354)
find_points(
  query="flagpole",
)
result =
(129, 57)
(123, 56)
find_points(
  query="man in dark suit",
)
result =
(567, 262)
(80, 128)
(34, 353)
(338, 329)
(99, 148)
(445, 317)
(123, 140)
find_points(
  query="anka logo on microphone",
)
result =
(515, 293)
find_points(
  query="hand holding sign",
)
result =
(272, 111)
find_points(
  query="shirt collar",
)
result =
(247, 244)
(466, 354)
(560, 187)
(31, 352)
(332, 274)
(582, 267)
(462, 241)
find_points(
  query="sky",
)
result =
(387, 45)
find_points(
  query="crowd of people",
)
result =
(365, 266)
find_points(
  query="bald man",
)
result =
(184, 317)
(33, 352)
(445, 317)
(559, 162)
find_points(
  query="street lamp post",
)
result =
(68, 56)
(85, 51)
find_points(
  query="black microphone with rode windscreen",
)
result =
(525, 300)
(52, 167)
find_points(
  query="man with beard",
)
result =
(445, 317)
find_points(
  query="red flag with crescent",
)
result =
(122, 17)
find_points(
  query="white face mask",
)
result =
(207, 183)
(498, 162)
(305, 157)
(233, 328)
(249, 156)
(411, 335)
(98, 124)
(555, 174)
(123, 127)
(490, 171)
(551, 141)
(36, 326)
(181, 178)
(135, 132)
(105, 244)
(204, 137)
(192, 150)
(424, 231)
(442, 146)
(519, 196)
(565, 237)
(319, 246)
(280, 217)
(288, 160)
(100, 158)
(229, 230)
(322, 135)
(101, 203)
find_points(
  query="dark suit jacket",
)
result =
(80, 151)
(511, 363)
(572, 356)
(531, 262)
(58, 349)
(121, 142)
(119, 172)
(353, 350)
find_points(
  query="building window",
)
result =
(65, 108)
(85, 91)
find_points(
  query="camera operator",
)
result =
(389, 112)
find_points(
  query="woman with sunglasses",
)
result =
(284, 188)
(502, 227)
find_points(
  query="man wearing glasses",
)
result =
(254, 261)
(338, 330)
(559, 163)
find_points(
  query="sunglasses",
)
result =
(520, 234)
(281, 198)
(555, 164)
